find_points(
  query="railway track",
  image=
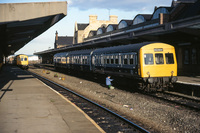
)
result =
(178, 99)
(175, 98)
(108, 120)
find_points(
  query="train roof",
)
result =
(81, 52)
(122, 48)
(61, 54)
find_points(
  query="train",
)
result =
(21, 61)
(152, 65)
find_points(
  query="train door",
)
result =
(91, 60)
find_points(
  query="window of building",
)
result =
(122, 24)
(138, 19)
(91, 34)
(99, 31)
(159, 59)
(109, 28)
(169, 58)
(199, 56)
(186, 56)
(158, 11)
(148, 59)
(194, 56)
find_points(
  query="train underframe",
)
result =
(148, 84)
(24, 67)
(157, 83)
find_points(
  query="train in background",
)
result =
(152, 65)
(20, 60)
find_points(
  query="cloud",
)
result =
(125, 5)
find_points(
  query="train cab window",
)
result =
(148, 59)
(22, 59)
(25, 59)
(169, 58)
(159, 59)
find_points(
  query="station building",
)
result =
(178, 25)
(81, 30)
(62, 41)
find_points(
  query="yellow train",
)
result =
(21, 61)
(150, 64)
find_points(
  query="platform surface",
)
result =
(28, 106)
(192, 80)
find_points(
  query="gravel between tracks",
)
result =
(156, 115)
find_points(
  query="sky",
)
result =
(79, 11)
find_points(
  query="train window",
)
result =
(131, 59)
(22, 59)
(116, 59)
(25, 59)
(59, 60)
(97, 60)
(125, 60)
(112, 59)
(159, 59)
(148, 59)
(102, 60)
(169, 58)
(120, 59)
(107, 61)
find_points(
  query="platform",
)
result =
(28, 106)
(190, 80)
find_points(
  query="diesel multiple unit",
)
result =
(151, 64)
(21, 61)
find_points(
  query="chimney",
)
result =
(113, 18)
(93, 18)
(56, 36)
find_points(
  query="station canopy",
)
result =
(22, 22)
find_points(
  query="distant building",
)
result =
(62, 41)
(82, 31)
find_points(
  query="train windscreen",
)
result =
(169, 58)
(148, 59)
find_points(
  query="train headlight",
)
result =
(172, 72)
(150, 80)
(148, 73)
